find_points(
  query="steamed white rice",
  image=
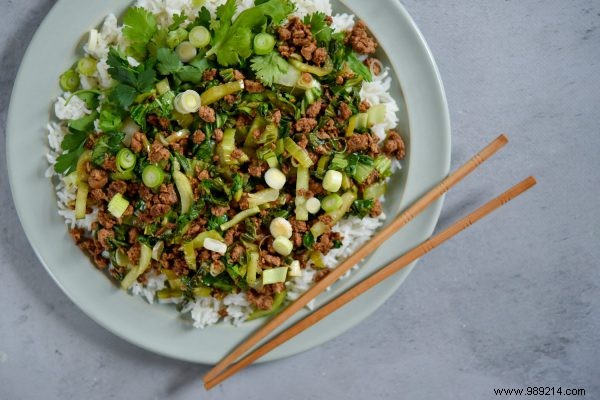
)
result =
(204, 311)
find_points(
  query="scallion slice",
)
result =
(199, 36)
(263, 43)
(125, 159)
(152, 176)
(297, 152)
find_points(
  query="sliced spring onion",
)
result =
(125, 159)
(280, 227)
(122, 175)
(332, 181)
(283, 245)
(69, 81)
(81, 200)
(272, 161)
(186, 51)
(226, 147)
(187, 102)
(275, 179)
(198, 241)
(217, 246)
(317, 259)
(375, 191)
(252, 257)
(383, 165)
(326, 69)
(322, 166)
(189, 254)
(184, 187)
(263, 43)
(199, 36)
(163, 86)
(295, 269)
(117, 205)
(277, 303)
(351, 126)
(136, 271)
(302, 180)
(313, 205)
(297, 152)
(152, 176)
(175, 37)
(331, 202)
(262, 197)
(86, 66)
(320, 228)
(216, 93)
(339, 162)
(157, 250)
(274, 275)
(239, 217)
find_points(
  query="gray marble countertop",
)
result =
(512, 303)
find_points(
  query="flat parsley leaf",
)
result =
(168, 62)
(268, 68)
(319, 27)
(233, 41)
(139, 25)
(132, 80)
(107, 143)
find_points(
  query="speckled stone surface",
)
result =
(514, 302)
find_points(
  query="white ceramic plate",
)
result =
(418, 89)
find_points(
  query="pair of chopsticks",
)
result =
(226, 367)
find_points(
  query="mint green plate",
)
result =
(417, 87)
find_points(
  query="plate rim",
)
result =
(432, 222)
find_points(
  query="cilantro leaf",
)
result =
(83, 125)
(108, 143)
(362, 208)
(168, 62)
(67, 162)
(74, 140)
(319, 27)
(178, 19)
(132, 80)
(233, 41)
(268, 68)
(203, 18)
(139, 25)
(359, 68)
(123, 95)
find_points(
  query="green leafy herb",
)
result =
(233, 41)
(215, 222)
(132, 80)
(168, 62)
(107, 143)
(109, 121)
(161, 106)
(268, 68)
(362, 208)
(319, 27)
(67, 162)
(82, 125)
(178, 19)
(203, 18)
(139, 26)
(359, 68)
(308, 240)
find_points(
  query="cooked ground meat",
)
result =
(219, 210)
(198, 137)
(97, 179)
(145, 193)
(344, 111)
(137, 142)
(237, 154)
(134, 253)
(376, 210)
(209, 74)
(364, 106)
(326, 242)
(237, 75)
(158, 210)
(76, 234)
(326, 219)
(167, 194)
(116, 187)
(305, 193)
(132, 235)
(97, 195)
(284, 33)
(180, 267)
(320, 56)
(306, 125)
(374, 65)
(202, 174)
(320, 274)
(316, 187)
(260, 301)
(314, 109)
(297, 239)
(253, 86)
(285, 50)
(257, 168)
(270, 259)
(158, 152)
(303, 141)
(230, 99)
(276, 117)
(393, 145)
(207, 114)
(360, 40)
(218, 135)
(308, 51)
(298, 226)
(110, 163)
(365, 142)
(237, 252)
(104, 235)
(106, 220)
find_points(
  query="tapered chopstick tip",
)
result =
(503, 138)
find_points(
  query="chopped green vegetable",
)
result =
(86, 66)
(136, 271)
(81, 200)
(216, 93)
(125, 159)
(239, 217)
(152, 176)
(331, 202)
(297, 152)
(277, 303)
(274, 275)
(186, 196)
(69, 81)
(359, 68)
(362, 208)
(139, 26)
(263, 43)
(117, 205)
(199, 36)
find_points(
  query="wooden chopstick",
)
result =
(400, 221)
(375, 279)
